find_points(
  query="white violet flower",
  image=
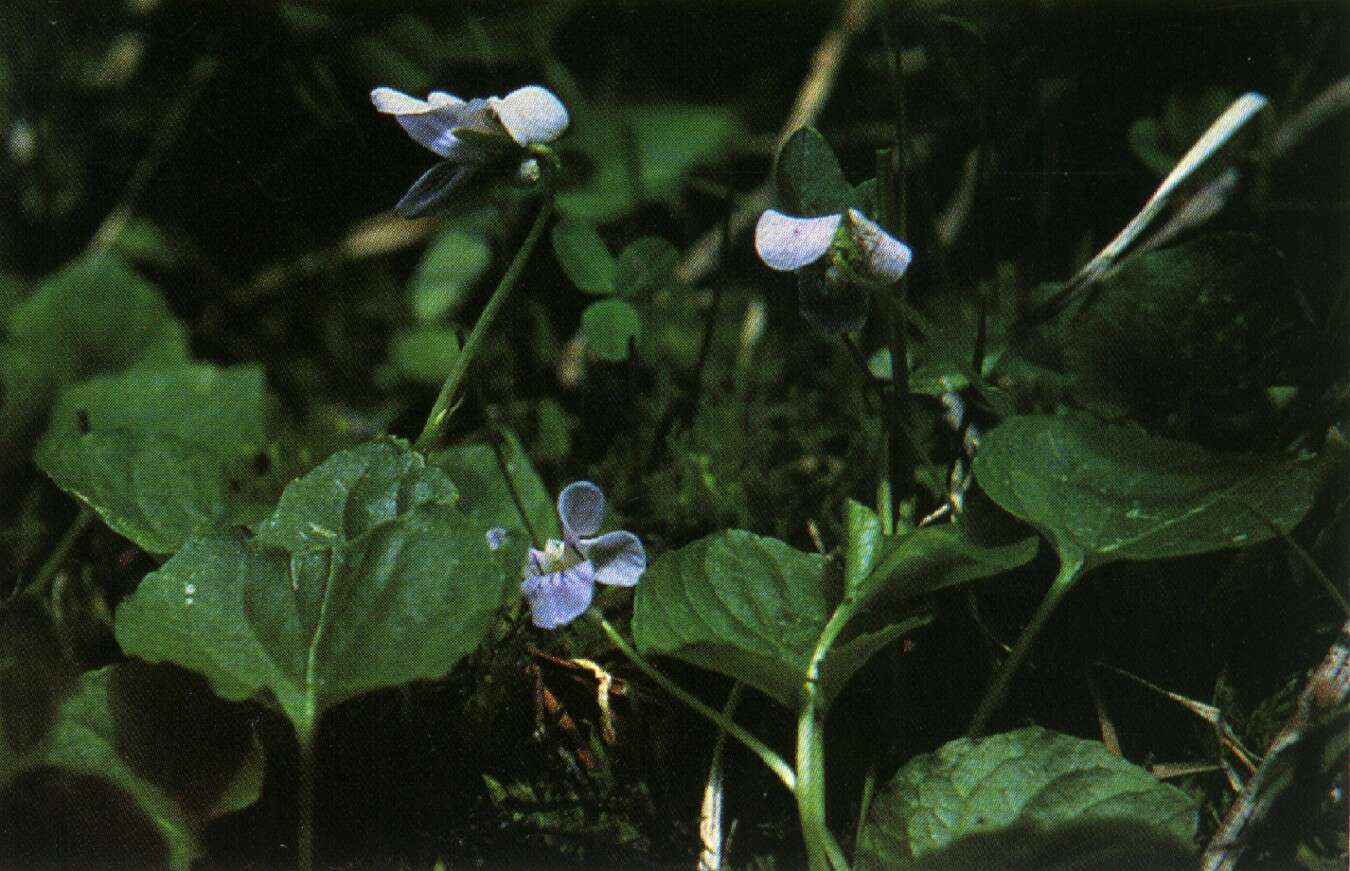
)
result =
(469, 135)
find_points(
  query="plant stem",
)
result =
(899, 453)
(1070, 569)
(822, 850)
(432, 430)
(306, 726)
(304, 830)
(775, 762)
(43, 579)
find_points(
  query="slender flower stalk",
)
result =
(434, 427)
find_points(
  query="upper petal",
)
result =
(786, 243)
(394, 102)
(561, 597)
(618, 557)
(885, 258)
(581, 508)
(531, 114)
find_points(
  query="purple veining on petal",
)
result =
(560, 597)
(787, 243)
(581, 508)
(618, 557)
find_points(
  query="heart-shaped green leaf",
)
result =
(363, 578)
(810, 180)
(451, 267)
(1023, 800)
(157, 453)
(583, 256)
(752, 608)
(610, 327)
(641, 153)
(646, 265)
(1103, 492)
(96, 315)
(143, 755)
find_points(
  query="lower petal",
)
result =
(558, 598)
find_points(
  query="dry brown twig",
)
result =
(1327, 689)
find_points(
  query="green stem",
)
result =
(899, 453)
(1069, 572)
(775, 762)
(43, 579)
(822, 850)
(306, 726)
(304, 830)
(431, 431)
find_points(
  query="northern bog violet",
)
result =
(560, 579)
(471, 135)
(836, 258)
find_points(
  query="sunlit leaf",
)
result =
(1023, 800)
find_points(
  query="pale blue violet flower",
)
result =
(836, 258)
(560, 579)
(471, 135)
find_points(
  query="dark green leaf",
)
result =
(148, 753)
(646, 265)
(609, 326)
(351, 493)
(363, 578)
(1207, 316)
(752, 608)
(452, 266)
(157, 453)
(583, 256)
(1032, 799)
(1105, 493)
(810, 181)
(658, 143)
(96, 315)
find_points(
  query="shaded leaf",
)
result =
(157, 452)
(149, 756)
(610, 326)
(810, 180)
(384, 584)
(1208, 315)
(453, 264)
(1105, 493)
(662, 141)
(646, 265)
(583, 256)
(1032, 799)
